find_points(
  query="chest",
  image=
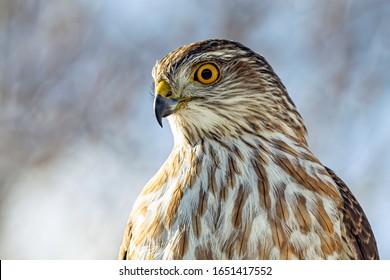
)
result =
(242, 215)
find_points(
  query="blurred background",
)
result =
(78, 137)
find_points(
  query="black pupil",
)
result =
(206, 74)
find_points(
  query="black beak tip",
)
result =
(157, 110)
(159, 120)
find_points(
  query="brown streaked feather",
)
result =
(141, 210)
(202, 204)
(196, 225)
(150, 256)
(232, 166)
(278, 234)
(281, 207)
(180, 247)
(214, 156)
(171, 213)
(290, 252)
(211, 183)
(264, 251)
(328, 245)
(155, 228)
(264, 152)
(286, 252)
(239, 155)
(304, 179)
(177, 161)
(262, 184)
(323, 218)
(338, 244)
(359, 236)
(123, 251)
(242, 241)
(282, 146)
(203, 253)
(239, 203)
(223, 193)
(230, 178)
(309, 157)
(156, 184)
(302, 215)
(196, 164)
(228, 247)
(140, 238)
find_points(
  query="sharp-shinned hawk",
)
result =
(241, 181)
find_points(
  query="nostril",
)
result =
(169, 94)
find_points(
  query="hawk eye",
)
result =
(207, 74)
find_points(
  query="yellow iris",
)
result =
(207, 74)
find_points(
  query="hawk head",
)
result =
(218, 88)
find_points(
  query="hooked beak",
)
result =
(163, 107)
